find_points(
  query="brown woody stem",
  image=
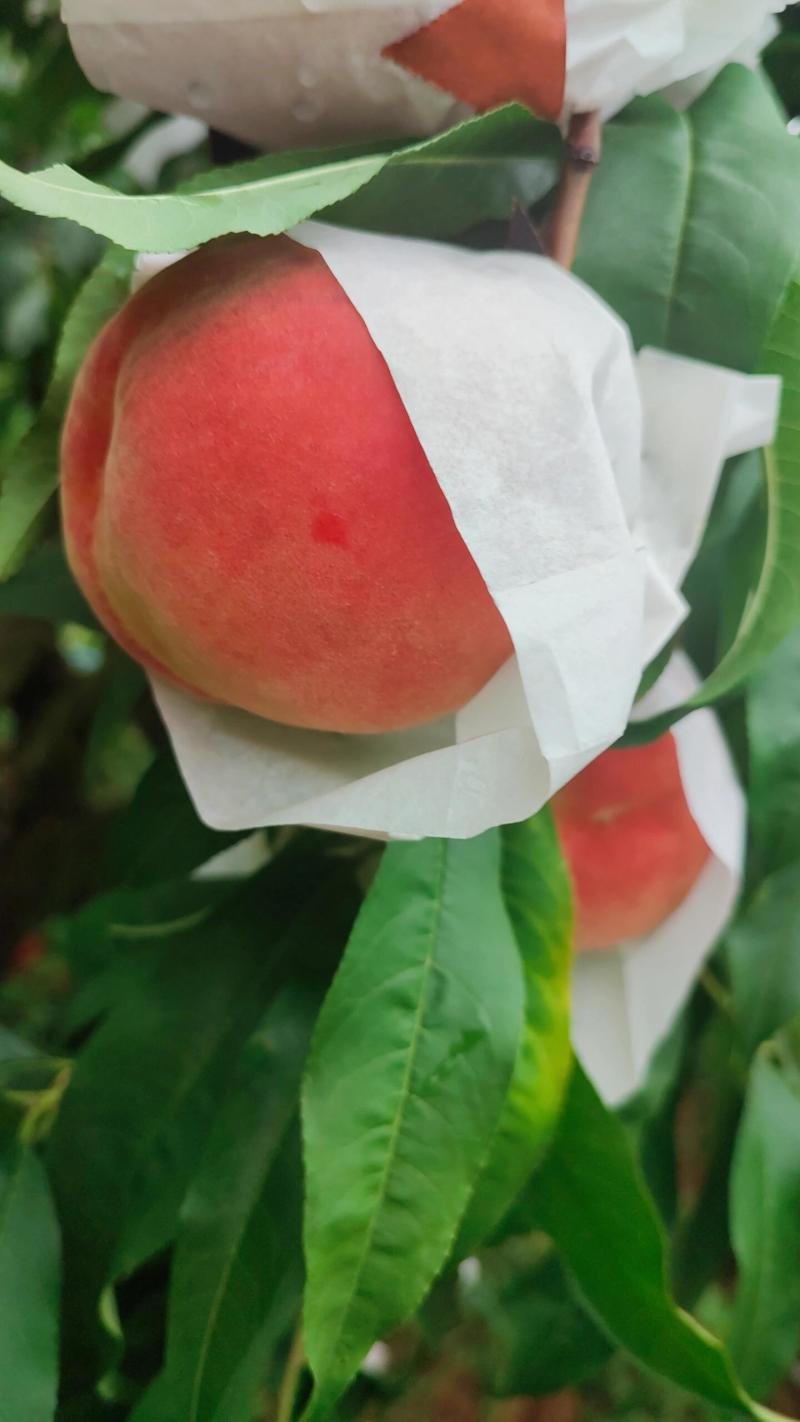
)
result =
(583, 149)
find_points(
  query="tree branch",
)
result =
(583, 149)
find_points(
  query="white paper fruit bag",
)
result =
(292, 73)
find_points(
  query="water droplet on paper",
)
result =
(199, 94)
(307, 109)
(307, 77)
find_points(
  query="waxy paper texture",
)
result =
(526, 397)
(293, 73)
(617, 49)
(626, 999)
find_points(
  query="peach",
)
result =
(633, 849)
(27, 952)
(249, 511)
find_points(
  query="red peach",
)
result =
(29, 951)
(631, 843)
(249, 511)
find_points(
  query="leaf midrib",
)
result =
(171, 1101)
(677, 269)
(230, 1256)
(403, 1098)
(760, 1273)
(407, 158)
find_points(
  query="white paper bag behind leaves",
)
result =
(289, 73)
(276, 73)
(524, 393)
(625, 999)
(617, 49)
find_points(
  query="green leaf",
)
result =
(589, 1197)
(159, 835)
(728, 562)
(774, 741)
(29, 1289)
(630, 243)
(12, 1047)
(45, 588)
(469, 173)
(691, 234)
(162, 222)
(236, 1277)
(409, 1070)
(774, 608)
(765, 1218)
(538, 897)
(466, 176)
(692, 227)
(257, 1304)
(31, 474)
(542, 1339)
(145, 1089)
(96, 936)
(763, 953)
(701, 1248)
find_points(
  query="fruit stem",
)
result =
(582, 154)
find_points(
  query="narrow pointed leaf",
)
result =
(459, 178)
(471, 174)
(539, 901)
(409, 1070)
(589, 1197)
(774, 608)
(160, 835)
(763, 952)
(30, 1268)
(236, 1277)
(162, 222)
(133, 1124)
(774, 747)
(765, 1218)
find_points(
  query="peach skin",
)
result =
(632, 846)
(249, 511)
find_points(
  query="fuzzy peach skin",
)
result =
(632, 846)
(249, 511)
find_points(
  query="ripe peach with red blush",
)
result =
(632, 845)
(248, 508)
